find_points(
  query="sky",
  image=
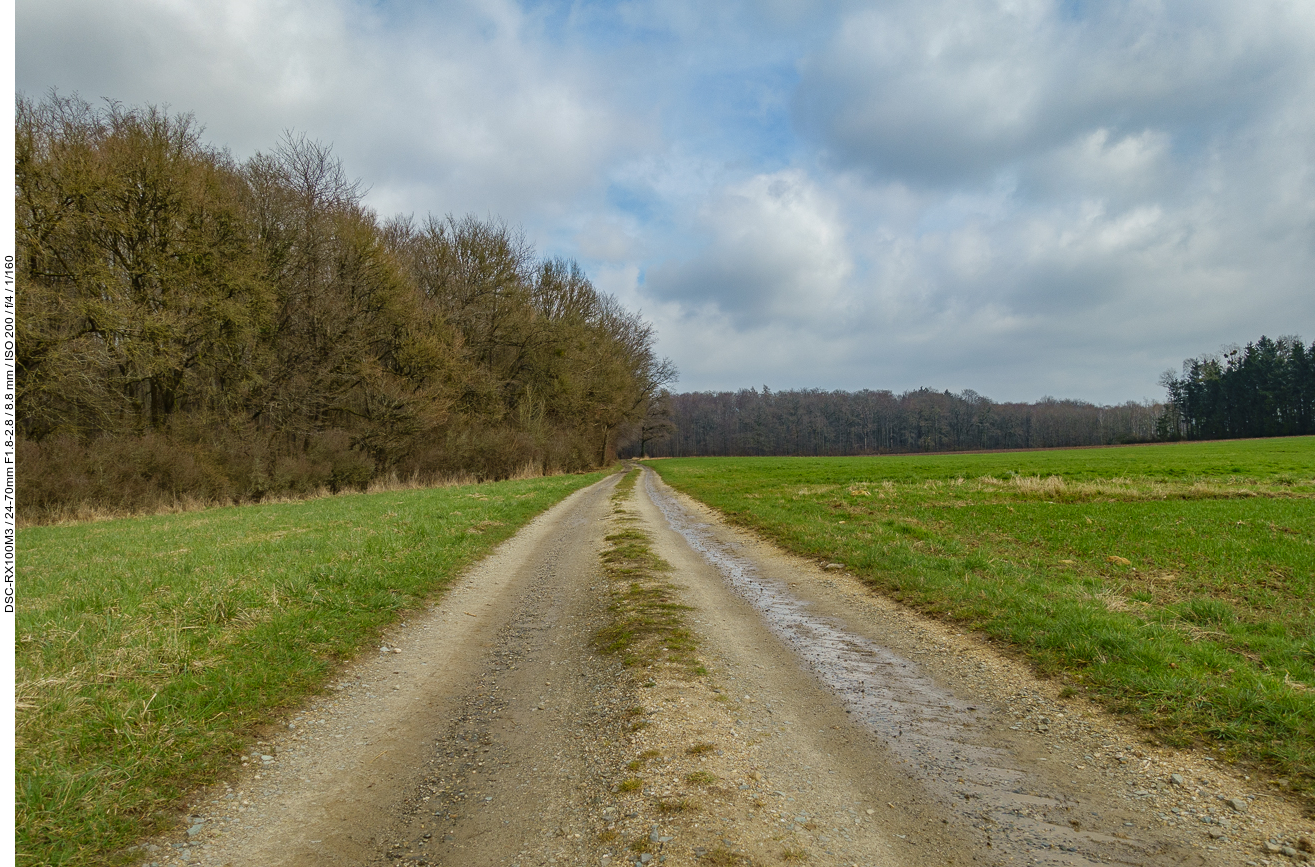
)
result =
(1025, 198)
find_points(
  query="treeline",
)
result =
(194, 326)
(1265, 389)
(813, 422)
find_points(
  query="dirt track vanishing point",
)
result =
(833, 728)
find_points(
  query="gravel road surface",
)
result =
(834, 728)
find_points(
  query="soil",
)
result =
(834, 727)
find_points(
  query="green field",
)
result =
(1174, 583)
(150, 650)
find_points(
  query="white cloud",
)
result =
(454, 109)
(1117, 169)
(776, 249)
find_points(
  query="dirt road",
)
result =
(833, 727)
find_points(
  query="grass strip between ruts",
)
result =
(1176, 584)
(150, 650)
(647, 625)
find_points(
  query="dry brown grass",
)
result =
(1054, 487)
(89, 513)
(677, 805)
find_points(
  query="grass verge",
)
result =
(1173, 583)
(151, 650)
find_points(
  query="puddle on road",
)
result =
(920, 721)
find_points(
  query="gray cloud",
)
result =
(947, 90)
(777, 250)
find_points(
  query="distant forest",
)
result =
(191, 326)
(1264, 389)
(813, 422)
